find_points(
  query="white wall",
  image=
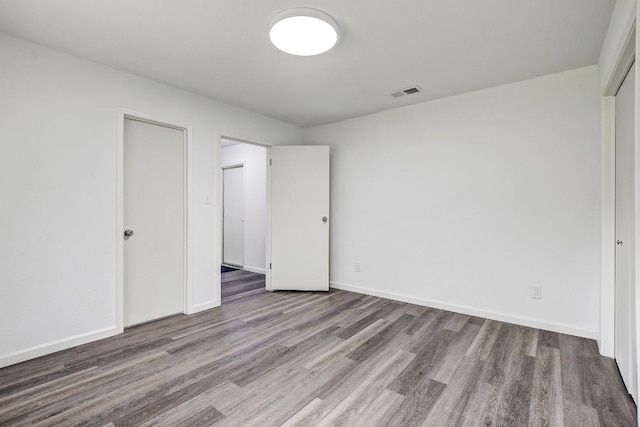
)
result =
(255, 204)
(58, 119)
(464, 202)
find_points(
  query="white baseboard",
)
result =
(254, 269)
(65, 343)
(517, 320)
(54, 346)
(204, 306)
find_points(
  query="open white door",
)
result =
(299, 218)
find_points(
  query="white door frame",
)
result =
(246, 139)
(244, 189)
(188, 238)
(626, 57)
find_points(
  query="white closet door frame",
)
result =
(244, 205)
(188, 238)
(626, 48)
(625, 349)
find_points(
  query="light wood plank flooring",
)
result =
(306, 359)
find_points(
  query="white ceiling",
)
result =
(221, 48)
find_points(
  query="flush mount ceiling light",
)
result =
(303, 32)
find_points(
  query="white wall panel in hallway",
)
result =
(233, 216)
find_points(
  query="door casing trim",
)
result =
(124, 113)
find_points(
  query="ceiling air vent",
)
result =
(406, 91)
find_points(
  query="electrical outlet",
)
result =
(536, 291)
(358, 267)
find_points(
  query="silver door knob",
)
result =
(128, 233)
(324, 219)
(618, 242)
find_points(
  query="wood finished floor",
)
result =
(306, 359)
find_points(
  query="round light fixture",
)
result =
(303, 32)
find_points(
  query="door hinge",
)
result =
(270, 162)
(269, 266)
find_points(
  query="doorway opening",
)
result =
(244, 217)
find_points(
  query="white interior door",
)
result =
(299, 218)
(625, 332)
(233, 216)
(154, 212)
